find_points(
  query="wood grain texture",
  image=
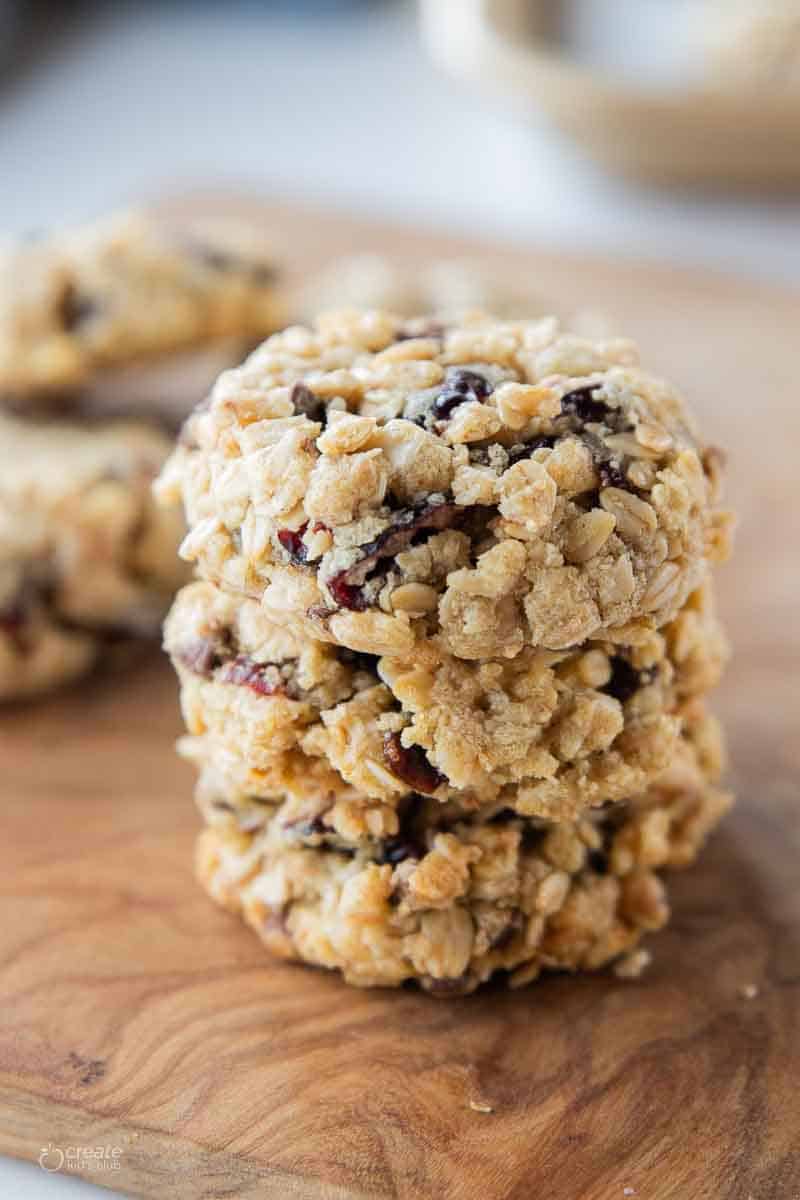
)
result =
(138, 1015)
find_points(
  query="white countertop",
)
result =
(344, 108)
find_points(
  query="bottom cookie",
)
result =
(459, 902)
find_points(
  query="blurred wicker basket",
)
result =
(708, 133)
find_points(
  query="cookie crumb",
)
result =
(629, 1191)
(748, 992)
(632, 966)
(480, 1106)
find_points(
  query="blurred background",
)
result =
(344, 103)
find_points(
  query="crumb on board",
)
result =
(748, 991)
(480, 1106)
(629, 1191)
(633, 965)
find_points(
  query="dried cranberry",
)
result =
(307, 404)
(203, 655)
(263, 678)
(460, 386)
(293, 544)
(408, 523)
(12, 619)
(580, 403)
(410, 763)
(347, 595)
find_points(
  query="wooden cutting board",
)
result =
(136, 1015)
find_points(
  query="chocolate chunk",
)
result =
(406, 526)
(410, 763)
(307, 404)
(203, 655)
(264, 678)
(580, 403)
(625, 679)
(293, 544)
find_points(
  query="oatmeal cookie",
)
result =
(86, 556)
(351, 736)
(450, 905)
(377, 483)
(123, 291)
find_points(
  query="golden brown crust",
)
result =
(495, 485)
(449, 904)
(545, 733)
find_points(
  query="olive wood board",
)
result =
(137, 1015)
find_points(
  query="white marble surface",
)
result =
(344, 109)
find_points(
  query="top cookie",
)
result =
(130, 288)
(497, 485)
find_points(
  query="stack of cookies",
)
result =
(87, 560)
(444, 668)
